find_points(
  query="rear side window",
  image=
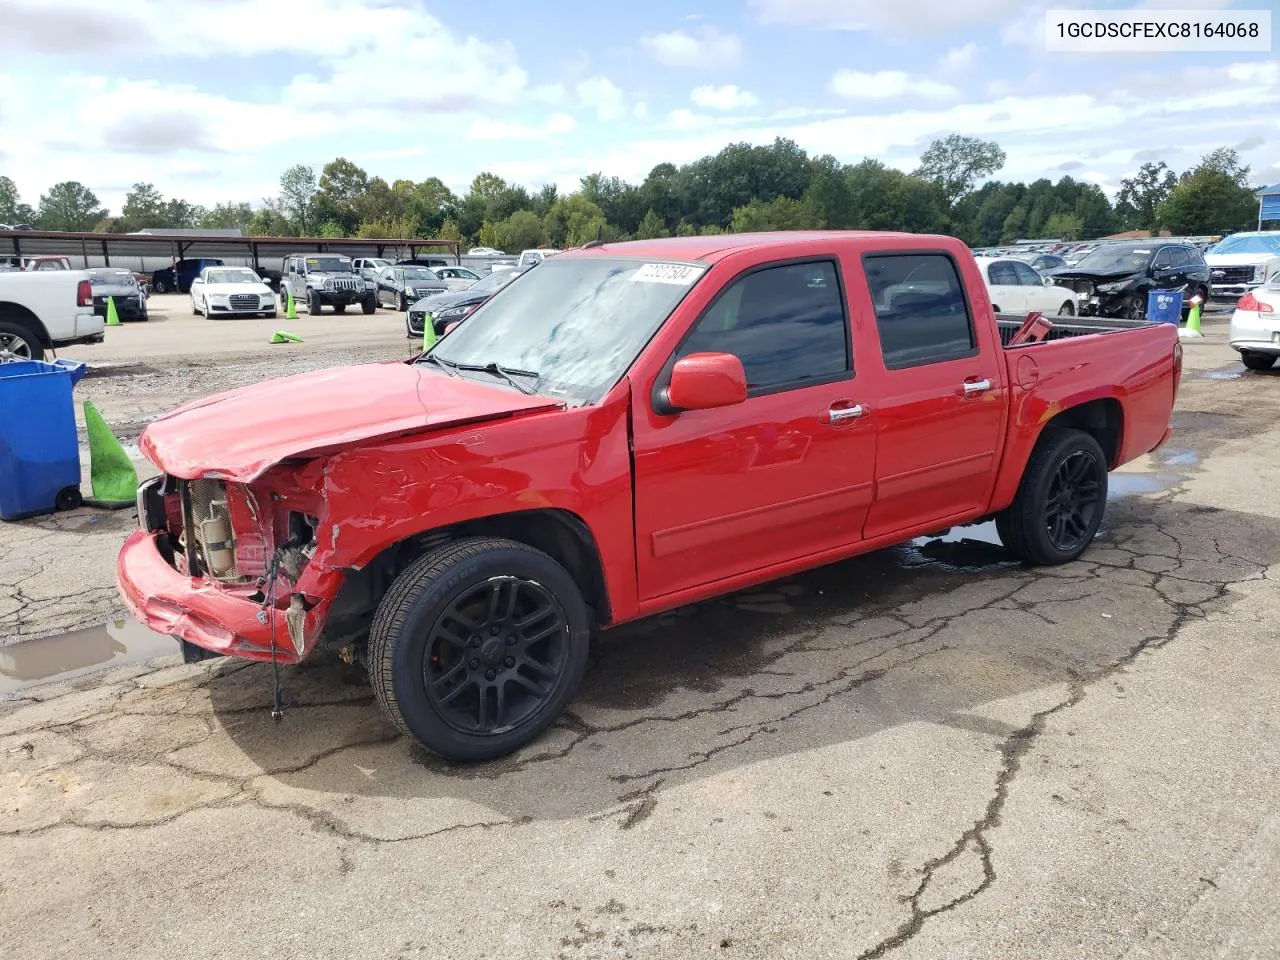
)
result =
(1026, 276)
(786, 324)
(921, 311)
(1001, 274)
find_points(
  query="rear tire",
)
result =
(1257, 361)
(1060, 501)
(478, 646)
(339, 308)
(19, 343)
(68, 498)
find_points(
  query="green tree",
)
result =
(297, 197)
(12, 209)
(448, 231)
(1141, 194)
(398, 228)
(888, 199)
(781, 213)
(829, 195)
(226, 216)
(1064, 226)
(332, 230)
(955, 163)
(488, 235)
(69, 205)
(430, 203)
(520, 231)
(711, 230)
(652, 226)
(342, 188)
(1212, 198)
(271, 221)
(144, 208)
(572, 221)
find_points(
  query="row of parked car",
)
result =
(445, 292)
(1113, 278)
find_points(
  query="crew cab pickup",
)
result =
(41, 309)
(629, 428)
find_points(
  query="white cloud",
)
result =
(708, 49)
(728, 97)
(911, 17)
(602, 95)
(640, 110)
(957, 60)
(682, 119)
(887, 85)
(483, 128)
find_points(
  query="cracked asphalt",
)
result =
(928, 752)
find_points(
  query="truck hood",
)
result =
(240, 434)
(1097, 276)
(1239, 259)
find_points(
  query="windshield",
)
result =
(1116, 259)
(577, 323)
(1255, 244)
(231, 276)
(328, 265)
(377, 264)
(419, 273)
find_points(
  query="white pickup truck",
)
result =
(43, 309)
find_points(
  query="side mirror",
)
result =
(1048, 281)
(702, 381)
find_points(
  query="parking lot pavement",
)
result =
(928, 752)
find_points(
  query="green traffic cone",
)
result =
(284, 336)
(112, 473)
(291, 309)
(113, 318)
(428, 333)
(1193, 316)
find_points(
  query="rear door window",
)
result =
(1026, 276)
(922, 314)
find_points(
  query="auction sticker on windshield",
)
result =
(676, 273)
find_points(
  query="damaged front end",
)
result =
(1104, 296)
(226, 567)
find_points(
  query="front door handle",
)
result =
(976, 386)
(842, 414)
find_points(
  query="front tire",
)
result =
(1136, 308)
(402, 303)
(1060, 501)
(313, 303)
(369, 305)
(1068, 309)
(1257, 361)
(478, 646)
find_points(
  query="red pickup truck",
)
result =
(625, 429)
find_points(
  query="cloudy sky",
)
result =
(212, 99)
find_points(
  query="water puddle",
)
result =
(1229, 373)
(970, 549)
(80, 652)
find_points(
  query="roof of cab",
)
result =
(712, 248)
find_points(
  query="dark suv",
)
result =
(1114, 279)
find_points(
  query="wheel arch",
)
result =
(559, 533)
(21, 316)
(1102, 418)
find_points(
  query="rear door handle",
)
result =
(843, 414)
(976, 386)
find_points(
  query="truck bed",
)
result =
(1063, 327)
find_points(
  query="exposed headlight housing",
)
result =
(1109, 287)
(1260, 272)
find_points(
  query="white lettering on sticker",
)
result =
(676, 273)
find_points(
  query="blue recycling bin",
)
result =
(1164, 306)
(39, 452)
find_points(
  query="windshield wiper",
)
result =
(448, 366)
(508, 374)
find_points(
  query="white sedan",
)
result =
(456, 278)
(1016, 287)
(1255, 327)
(231, 292)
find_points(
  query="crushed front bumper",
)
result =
(217, 617)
